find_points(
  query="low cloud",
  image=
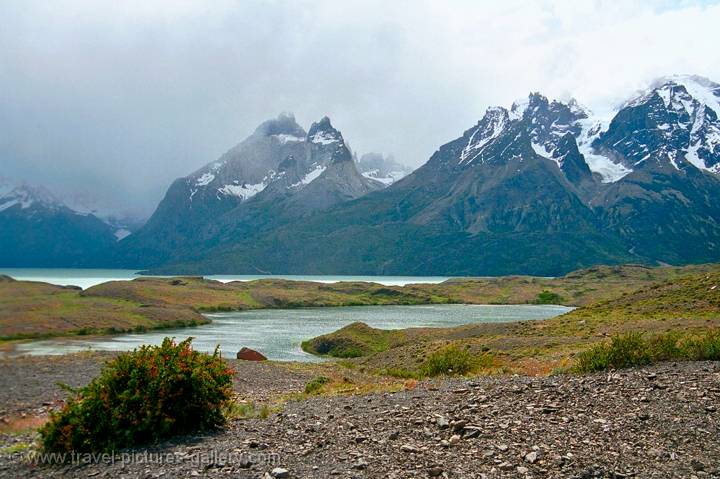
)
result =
(116, 99)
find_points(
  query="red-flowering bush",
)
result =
(141, 397)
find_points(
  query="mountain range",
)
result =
(542, 187)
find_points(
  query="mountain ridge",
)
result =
(540, 188)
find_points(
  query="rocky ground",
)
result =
(657, 422)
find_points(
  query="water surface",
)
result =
(278, 333)
(86, 278)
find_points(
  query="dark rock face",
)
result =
(247, 354)
(278, 173)
(542, 188)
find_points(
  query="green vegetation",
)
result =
(31, 310)
(685, 306)
(316, 384)
(451, 360)
(633, 349)
(548, 297)
(141, 397)
(352, 341)
(247, 410)
(15, 448)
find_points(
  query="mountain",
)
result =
(39, 230)
(382, 168)
(542, 188)
(277, 175)
(123, 222)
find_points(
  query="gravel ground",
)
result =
(29, 384)
(657, 422)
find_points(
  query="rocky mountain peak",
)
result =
(328, 141)
(24, 196)
(323, 133)
(673, 124)
(283, 126)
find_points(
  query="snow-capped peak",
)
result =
(323, 133)
(686, 110)
(518, 108)
(488, 129)
(26, 196)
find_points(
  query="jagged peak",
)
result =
(323, 133)
(701, 89)
(533, 101)
(284, 124)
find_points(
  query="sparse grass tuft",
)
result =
(248, 410)
(453, 360)
(15, 448)
(633, 349)
(316, 384)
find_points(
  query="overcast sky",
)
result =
(115, 99)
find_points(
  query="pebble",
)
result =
(280, 473)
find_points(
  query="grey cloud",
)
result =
(116, 99)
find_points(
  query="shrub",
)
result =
(623, 351)
(316, 384)
(548, 297)
(632, 349)
(448, 360)
(143, 396)
(400, 373)
(706, 348)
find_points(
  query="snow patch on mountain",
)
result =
(518, 108)
(205, 179)
(309, 177)
(542, 151)
(26, 196)
(590, 130)
(701, 89)
(244, 191)
(388, 179)
(285, 138)
(489, 128)
(122, 233)
(324, 138)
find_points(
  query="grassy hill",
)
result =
(32, 310)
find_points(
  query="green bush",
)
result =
(143, 396)
(316, 384)
(448, 360)
(548, 297)
(633, 349)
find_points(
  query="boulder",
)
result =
(248, 354)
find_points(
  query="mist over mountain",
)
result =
(38, 230)
(278, 174)
(542, 187)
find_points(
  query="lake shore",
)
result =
(35, 310)
(524, 412)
